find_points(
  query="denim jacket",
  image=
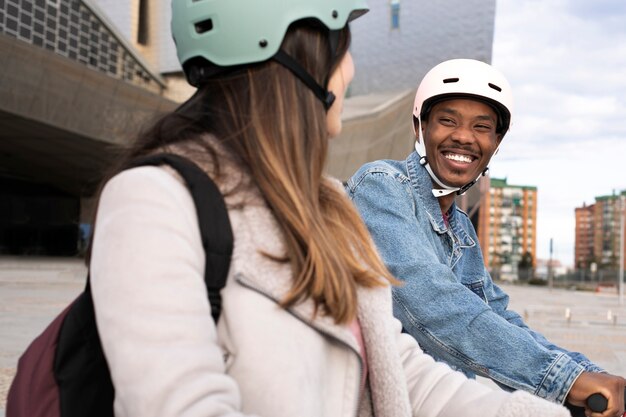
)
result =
(448, 301)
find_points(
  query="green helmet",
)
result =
(239, 32)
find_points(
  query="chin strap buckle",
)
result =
(466, 187)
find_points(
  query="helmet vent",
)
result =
(495, 87)
(450, 80)
(204, 26)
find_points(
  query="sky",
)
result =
(566, 63)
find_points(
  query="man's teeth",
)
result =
(459, 158)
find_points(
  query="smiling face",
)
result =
(460, 138)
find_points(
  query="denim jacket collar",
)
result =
(422, 183)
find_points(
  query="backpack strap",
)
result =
(215, 228)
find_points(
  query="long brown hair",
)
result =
(276, 128)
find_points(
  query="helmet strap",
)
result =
(326, 97)
(466, 187)
(445, 189)
(469, 185)
(199, 73)
(420, 148)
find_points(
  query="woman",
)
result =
(306, 327)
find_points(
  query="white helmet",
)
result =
(461, 78)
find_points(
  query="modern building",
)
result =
(145, 24)
(72, 92)
(397, 42)
(393, 45)
(598, 234)
(584, 246)
(80, 78)
(607, 229)
(507, 228)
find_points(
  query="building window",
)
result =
(142, 29)
(394, 6)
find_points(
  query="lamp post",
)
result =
(621, 248)
(550, 267)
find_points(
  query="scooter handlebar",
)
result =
(598, 402)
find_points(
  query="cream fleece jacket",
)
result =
(168, 358)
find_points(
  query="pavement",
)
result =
(593, 323)
(34, 290)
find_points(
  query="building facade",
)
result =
(607, 230)
(584, 246)
(393, 46)
(598, 233)
(80, 78)
(507, 228)
(71, 90)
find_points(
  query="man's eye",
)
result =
(446, 121)
(483, 127)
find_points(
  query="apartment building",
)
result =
(598, 232)
(507, 227)
(584, 247)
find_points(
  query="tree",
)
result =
(525, 266)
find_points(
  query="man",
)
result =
(448, 301)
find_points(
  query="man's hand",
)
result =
(610, 386)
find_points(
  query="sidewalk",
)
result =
(596, 325)
(33, 291)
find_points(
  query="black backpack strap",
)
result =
(80, 368)
(215, 229)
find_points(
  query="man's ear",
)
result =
(416, 127)
(422, 125)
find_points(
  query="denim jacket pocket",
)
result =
(477, 287)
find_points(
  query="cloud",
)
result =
(549, 117)
(567, 177)
(565, 60)
(604, 11)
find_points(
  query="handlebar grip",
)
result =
(597, 402)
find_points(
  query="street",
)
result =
(34, 290)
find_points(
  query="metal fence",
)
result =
(602, 280)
